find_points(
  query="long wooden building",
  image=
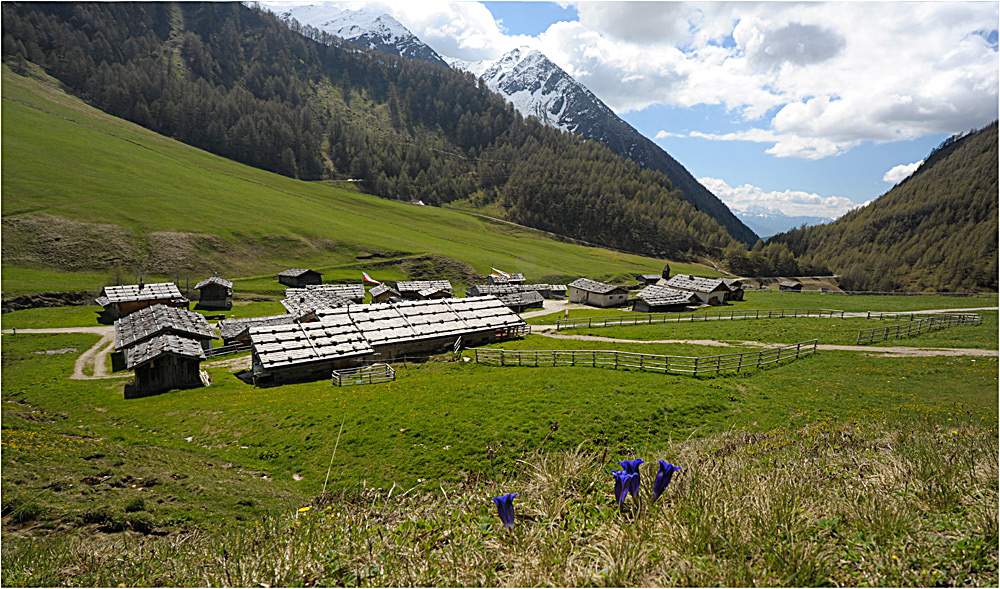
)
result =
(119, 301)
(359, 334)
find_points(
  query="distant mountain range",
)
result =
(766, 221)
(536, 87)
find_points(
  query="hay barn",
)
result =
(300, 277)
(163, 363)
(119, 301)
(710, 291)
(215, 293)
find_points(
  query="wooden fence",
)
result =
(372, 374)
(229, 349)
(917, 326)
(651, 362)
(649, 318)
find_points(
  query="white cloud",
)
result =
(790, 202)
(899, 173)
(822, 77)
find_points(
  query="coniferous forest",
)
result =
(935, 231)
(238, 82)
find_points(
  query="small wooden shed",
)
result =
(383, 293)
(789, 286)
(597, 294)
(163, 363)
(214, 293)
(735, 289)
(119, 301)
(300, 277)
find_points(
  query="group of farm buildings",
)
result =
(329, 327)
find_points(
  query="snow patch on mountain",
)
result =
(766, 221)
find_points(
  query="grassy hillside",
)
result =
(934, 231)
(85, 192)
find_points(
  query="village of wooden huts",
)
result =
(119, 301)
(355, 335)
(164, 346)
(215, 293)
(597, 294)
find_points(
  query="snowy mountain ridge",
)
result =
(766, 221)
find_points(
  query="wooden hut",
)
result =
(523, 300)
(163, 363)
(215, 293)
(237, 331)
(383, 293)
(648, 279)
(711, 291)
(789, 286)
(735, 289)
(119, 301)
(597, 294)
(300, 277)
(659, 299)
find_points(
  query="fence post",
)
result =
(501, 357)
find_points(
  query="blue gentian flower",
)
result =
(663, 477)
(632, 467)
(623, 482)
(505, 508)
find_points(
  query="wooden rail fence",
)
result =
(372, 374)
(649, 318)
(651, 362)
(917, 326)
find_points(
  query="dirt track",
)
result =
(94, 357)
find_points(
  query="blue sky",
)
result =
(810, 108)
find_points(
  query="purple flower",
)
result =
(663, 477)
(632, 467)
(623, 482)
(505, 508)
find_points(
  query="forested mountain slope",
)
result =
(237, 82)
(936, 230)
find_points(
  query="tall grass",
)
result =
(913, 504)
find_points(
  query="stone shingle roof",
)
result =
(213, 280)
(522, 299)
(415, 286)
(656, 296)
(347, 291)
(236, 328)
(381, 289)
(152, 349)
(149, 292)
(159, 319)
(695, 283)
(594, 286)
(300, 301)
(302, 343)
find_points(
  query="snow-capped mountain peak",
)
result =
(371, 30)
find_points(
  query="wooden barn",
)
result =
(163, 363)
(735, 289)
(523, 300)
(548, 291)
(789, 286)
(597, 294)
(648, 279)
(710, 291)
(300, 277)
(516, 278)
(119, 301)
(358, 334)
(660, 299)
(423, 290)
(215, 293)
(352, 292)
(383, 293)
(150, 322)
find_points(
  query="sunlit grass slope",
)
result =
(178, 210)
